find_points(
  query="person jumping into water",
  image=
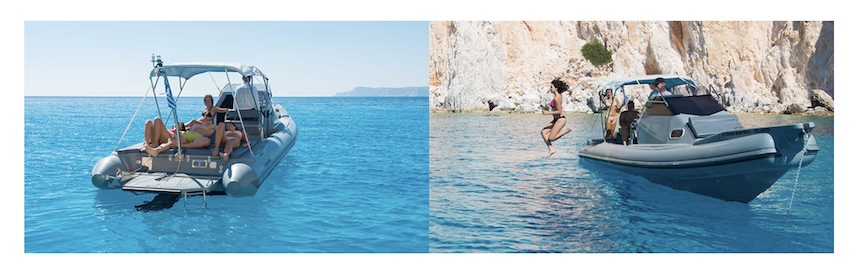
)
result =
(552, 131)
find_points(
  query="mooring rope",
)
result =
(806, 137)
(132, 119)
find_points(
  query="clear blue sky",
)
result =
(307, 58)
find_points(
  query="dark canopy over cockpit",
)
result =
(701, 105)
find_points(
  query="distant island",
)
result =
(386, 92)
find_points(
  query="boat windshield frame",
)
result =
(671, 81)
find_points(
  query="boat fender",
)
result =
(240, 180)
(104, 175)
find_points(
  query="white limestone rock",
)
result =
(756, 66)
(821, 98)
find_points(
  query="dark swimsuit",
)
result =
(556, 117)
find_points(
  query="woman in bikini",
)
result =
(204, 124)
(195, 134)
(188, 140)
(232, 139)
(552, 131)
(156, 134)
(613, 109)
(158, 142)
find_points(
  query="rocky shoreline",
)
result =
(757, 67)
(818, 111)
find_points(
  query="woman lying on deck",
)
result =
(231, 140)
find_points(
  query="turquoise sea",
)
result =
(492, 191)
(355, 181)
(384, 175)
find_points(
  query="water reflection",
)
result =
(492, 191)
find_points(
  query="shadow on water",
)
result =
(159, 202)
(119, 201)
(656, 218)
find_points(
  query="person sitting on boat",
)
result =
(659, 89)
(198, 133)
(204, 124)
(208, 115)
(188, 140)
(626, 119)
(613, 108)
(243, 96)
(552, 131)
(232, 138)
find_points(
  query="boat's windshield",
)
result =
(683, 90)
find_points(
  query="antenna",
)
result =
(156, 60)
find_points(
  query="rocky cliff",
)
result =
(507, 66)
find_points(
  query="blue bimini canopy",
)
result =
(187, 70)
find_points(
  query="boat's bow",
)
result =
(692, 143)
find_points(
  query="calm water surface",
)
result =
(492, 191)
(355, 181)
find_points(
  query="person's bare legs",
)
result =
(610, 124)
(155, 134)
(161, 133)
(148, 144)
(228, 147)
(557, 126)
(200, 142)
(170, 143)
(219, 137)
(625, 133)
(545, 134)
(562, 133)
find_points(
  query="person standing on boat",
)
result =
(244, 97)
(552, 131)
(613, 108)
(626, 119)
(659, 89)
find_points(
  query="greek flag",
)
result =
(171, 102)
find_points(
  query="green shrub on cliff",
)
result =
(596, 53)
